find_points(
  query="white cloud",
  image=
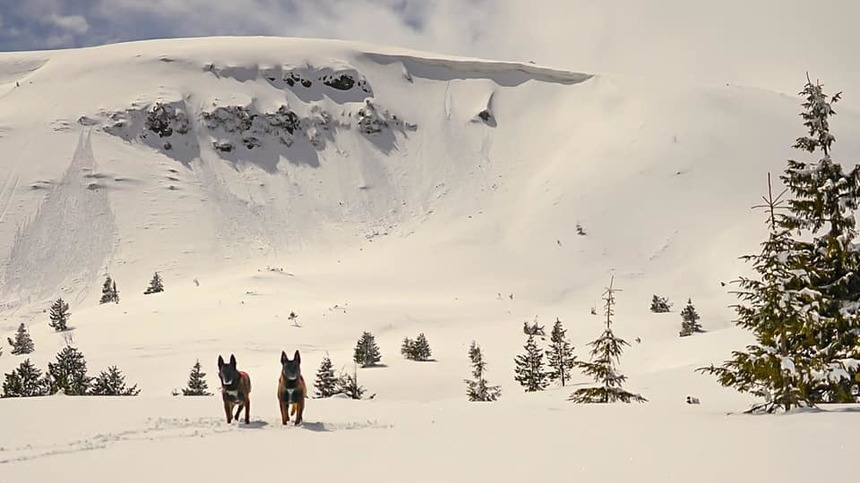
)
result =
(73, 23)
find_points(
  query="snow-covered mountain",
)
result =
(372, 188)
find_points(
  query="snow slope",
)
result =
(448, 205)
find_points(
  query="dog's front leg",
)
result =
(229, 410)
(285, 411)
(300, 407)
(247, 411)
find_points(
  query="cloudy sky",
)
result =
(760, 43)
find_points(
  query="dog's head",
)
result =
(227, 372)
(291, 369)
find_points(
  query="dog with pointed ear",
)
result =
(235, 389)
(292, 390)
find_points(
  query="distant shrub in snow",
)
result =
(477, 388)
(605, 353)
(59, 315)
(347, 384)
(660, 305)
(23, 343)
(112, 383)
(416, 350)
(25, 381)
(197, 385)
(366, 351)
(155, 285)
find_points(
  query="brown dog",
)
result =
(291, 388)
(235, 389)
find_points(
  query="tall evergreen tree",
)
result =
(23, 343)
(69, 373)
(325, 384)
(605, 353)
(197, 385)
(824, 198)
(689, 320)
(478, 389)
(155, 285)
(109, 291)
(406, 347)
(59, 315)
(112, 383)
(25, 381)
(529, 367)
(560, 358)
(782, 366)
(366, 351)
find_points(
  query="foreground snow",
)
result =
(148, 439)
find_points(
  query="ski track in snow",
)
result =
(161, 429)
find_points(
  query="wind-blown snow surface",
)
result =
(448, 205)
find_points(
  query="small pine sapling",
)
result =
(326, 383)
(529, 367)
(560, 356)
(366, 351)
(348, 385)
(112, 383)
(477, 388)
(59, 315)
(605, 353)
(23, 343)
(156, 285)
(660, 305)
(197, 385)
(69, 373)
(689, 320)
(25, 381)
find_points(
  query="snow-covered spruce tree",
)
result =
(660, 305)
(347, 384)
(25, 381)
(605, 353)
(112, 383)
(529, 367)
(155, 285)
(689, 320)
(69, 373)
(366, 351)
(59, 315)
(822, 204)
(783, 364)
(325, 384)
(23, 343)
(559, 356)
(109, 291)
(196, 382)
(477, 388)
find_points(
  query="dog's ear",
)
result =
(232, 360)
(297, 357)
(284, 357)
(220, 361)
